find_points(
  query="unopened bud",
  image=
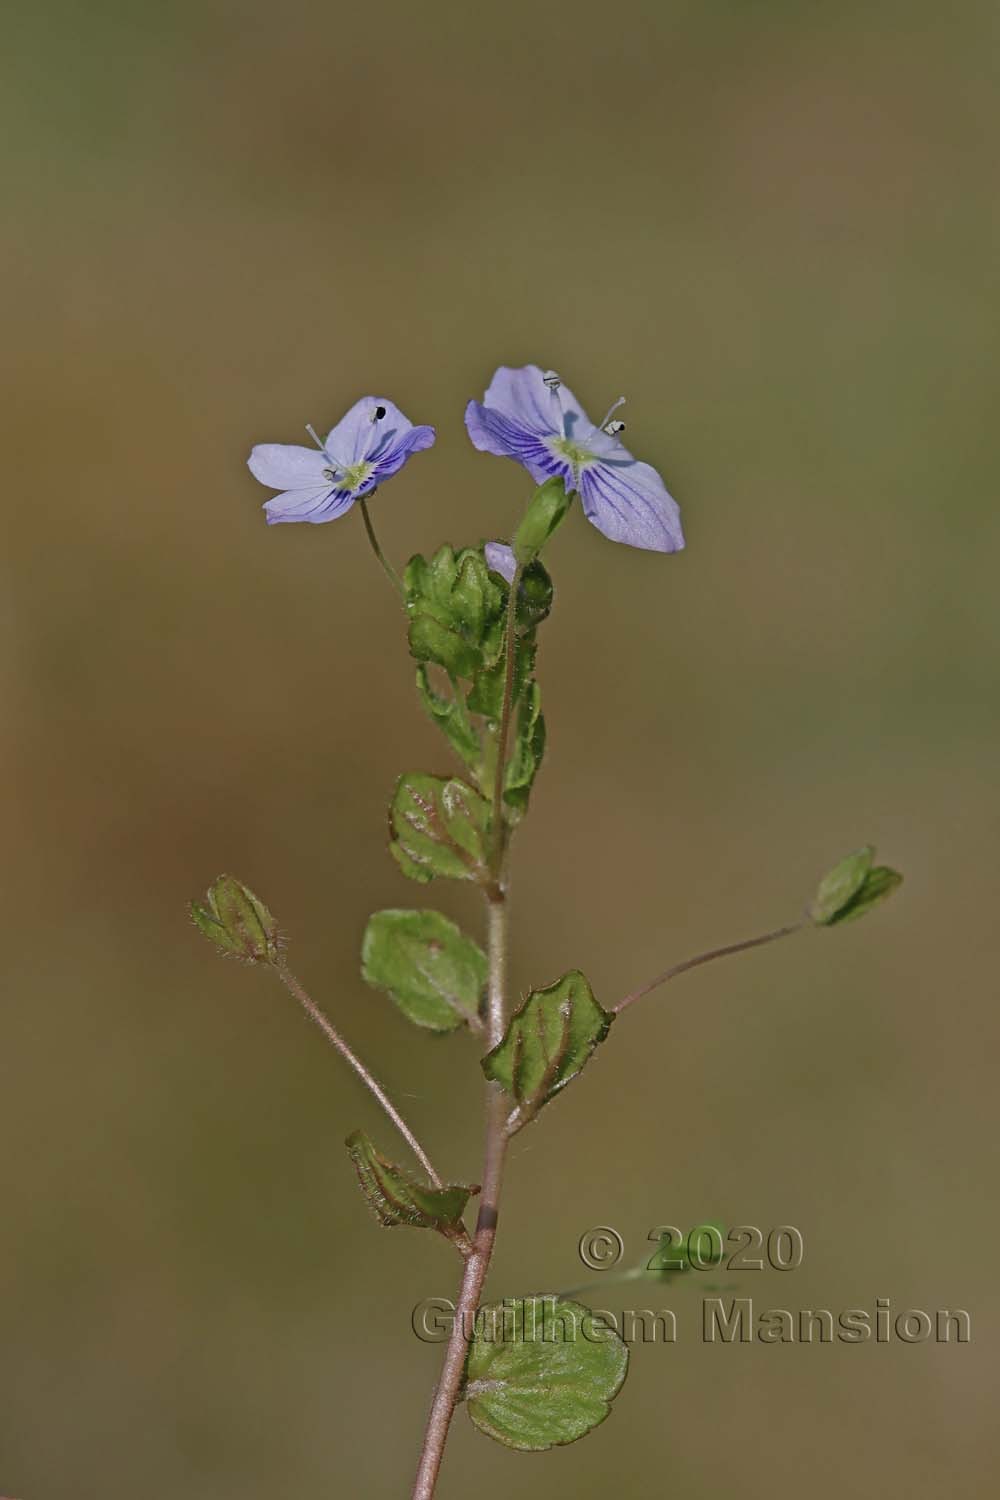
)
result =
(237, 922)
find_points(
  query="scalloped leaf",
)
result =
(542, 1372)
(439, 827)
(548, 1040)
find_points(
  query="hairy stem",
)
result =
(478, 1263)
(707, 958)
(387, 567)
(497, 1137)
(368, 1078)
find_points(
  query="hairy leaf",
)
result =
(452, 717)
(439, 827)
(435, 974)
(237, 921)
(395, 1196)
(549, 1039)
(528, 749)
(542, 1372)
(456, 607)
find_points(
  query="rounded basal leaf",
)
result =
(542, 1372)
(435, 974)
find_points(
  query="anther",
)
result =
(551, 380)
(378, 414)
(613, 428)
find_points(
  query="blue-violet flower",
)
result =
(529, 415)
(367, 446)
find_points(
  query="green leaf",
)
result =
(435, 974)
(542, 1372)
(879, 883)
(456, 608)
(395, 1196)
(528, 749)
(486, 694)
(840, 884)
(452, 717)
(549, 1039)
(852, 888)
(439, 827)
(546, 510)
(237, 921)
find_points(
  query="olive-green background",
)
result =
(772, 226)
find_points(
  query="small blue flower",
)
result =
(365, 448)
(530, 416)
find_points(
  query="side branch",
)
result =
(371, 1083)
(707, 958)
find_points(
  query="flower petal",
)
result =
(495, 432)
(389, 461)
(360, 435)
(501, 559)
(523, 396)
(314, 505)
(286, 466)
(629, 503)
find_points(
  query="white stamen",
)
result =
(605, 421)
(552, 380)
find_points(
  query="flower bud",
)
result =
(237, 922)
(852, 888)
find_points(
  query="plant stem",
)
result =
(478, 1263)
(707, 958)
(333, 1036)
(387, 567)
(497, 1138)
(499, 832)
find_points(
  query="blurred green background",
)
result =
(774, 227)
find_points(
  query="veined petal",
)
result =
(286, 466)
(496, 432)
(314, 505)
(629, 503)
(523, 396)
(359, 435)
(391, 460)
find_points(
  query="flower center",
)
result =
(573, 452)
(351, 477)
